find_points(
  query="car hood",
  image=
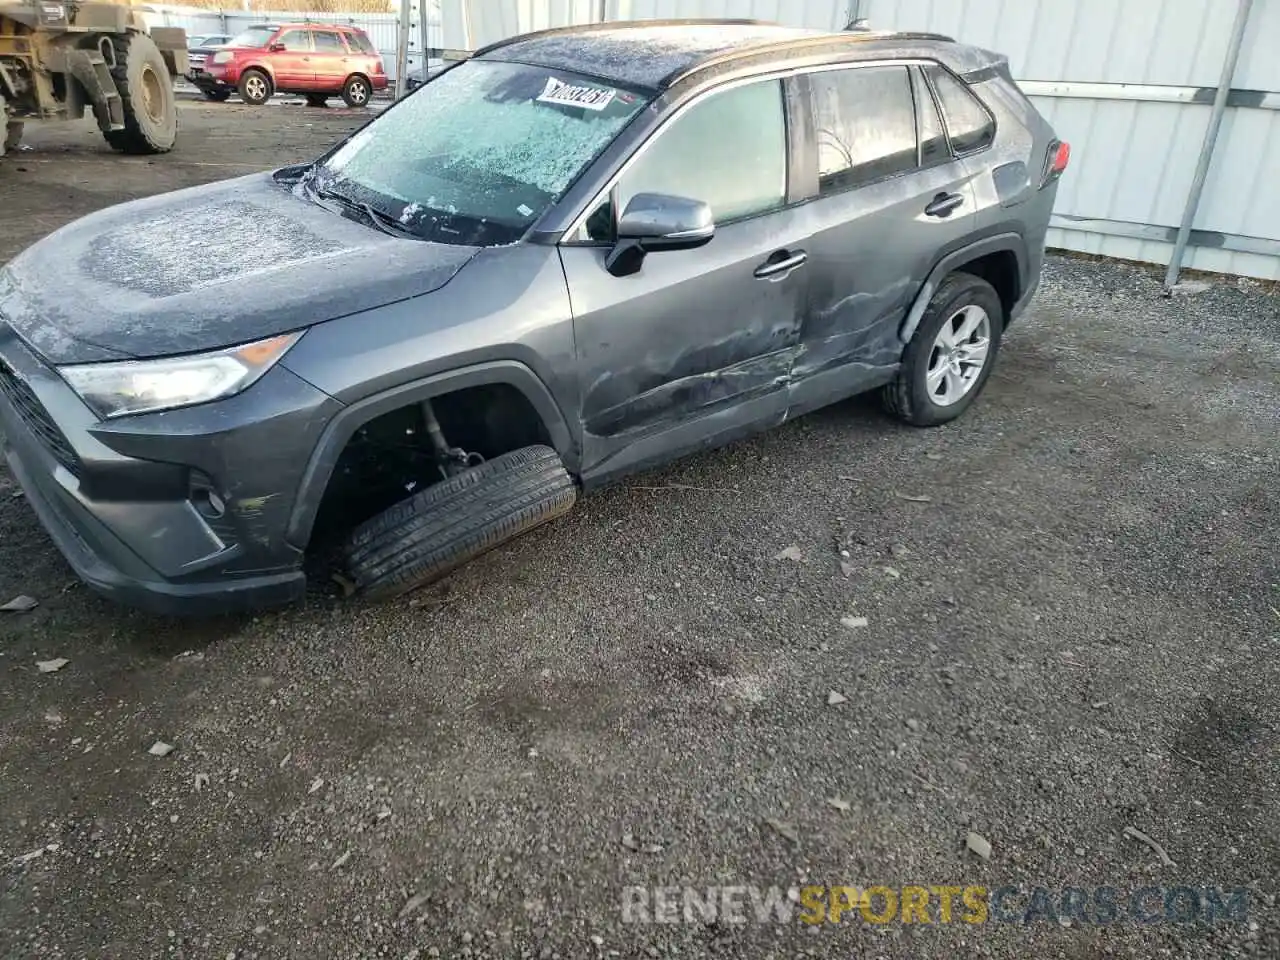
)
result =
(208, 267)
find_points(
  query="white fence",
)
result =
(1128, 82)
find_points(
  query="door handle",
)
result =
(780, 263)
(943, 204)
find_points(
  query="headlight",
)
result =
(141, 386)
(223, 56)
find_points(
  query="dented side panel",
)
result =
(692, 333)
(871, 250)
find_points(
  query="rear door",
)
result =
(891, 198)
(329, 60)
(694, 348)
(292, 65)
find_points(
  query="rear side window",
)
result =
(970, 125)
(360, 41)
(933, 141)
(327, 41)
(865, 126)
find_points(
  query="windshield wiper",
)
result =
(382, 221)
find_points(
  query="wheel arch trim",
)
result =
(344, 424)
(1002, 242)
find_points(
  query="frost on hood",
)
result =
(487, 139)
(178, 254)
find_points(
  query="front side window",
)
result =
(968, 122)
(865, 126)
(728, 150)
(327, 41)
(295, 40)
(484, 156)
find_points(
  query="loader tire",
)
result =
(146, 93)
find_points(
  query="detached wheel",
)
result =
(217, 96)
(421, 539)
(356, 92)
(255, 87)
(316, 99)
(951, 355)
(146, 94)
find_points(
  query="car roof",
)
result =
(656, 54)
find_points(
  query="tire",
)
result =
(217, 96)
(912, 396)
(146, 93)
(254, 87)
(442, 527)
(356, 91)
(316, 99)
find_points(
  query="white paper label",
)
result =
(592, 98)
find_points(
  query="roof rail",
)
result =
(620, 24)
(822, 40)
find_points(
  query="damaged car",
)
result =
(587, 251)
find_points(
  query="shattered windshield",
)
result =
(480, 152)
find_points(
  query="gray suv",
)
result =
(579, 253)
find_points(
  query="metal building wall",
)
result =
(1127, 82)
(1129, 85)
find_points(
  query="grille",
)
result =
(34, 415)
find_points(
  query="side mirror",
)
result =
(656, 221)
(276, 47)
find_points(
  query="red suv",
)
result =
(319, 60)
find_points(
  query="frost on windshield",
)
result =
(486, 140)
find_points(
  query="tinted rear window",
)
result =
(360, 41)
(968, 122)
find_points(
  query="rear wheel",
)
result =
(951, 354)
(146, 93)
(217, 96)
(356, 91)
(316, 99)
(421, 539)
(255, 87)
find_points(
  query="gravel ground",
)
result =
(1073, 617)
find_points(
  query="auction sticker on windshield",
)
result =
(569, 95)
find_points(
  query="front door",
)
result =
(292, 65)
(694, 348)
(892, 199)
(329, 61)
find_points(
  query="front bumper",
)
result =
(211, 77)
(124, 500)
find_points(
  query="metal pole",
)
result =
(1210, 141)
(402, 46)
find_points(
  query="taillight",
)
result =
(1055, 162)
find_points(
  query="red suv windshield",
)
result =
(256, 37)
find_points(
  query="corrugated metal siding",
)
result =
(1132, 161)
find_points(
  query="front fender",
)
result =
(349, 419)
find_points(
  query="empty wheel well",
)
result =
(392, 456)
(1000, 269)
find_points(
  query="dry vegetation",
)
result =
(308, 6)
